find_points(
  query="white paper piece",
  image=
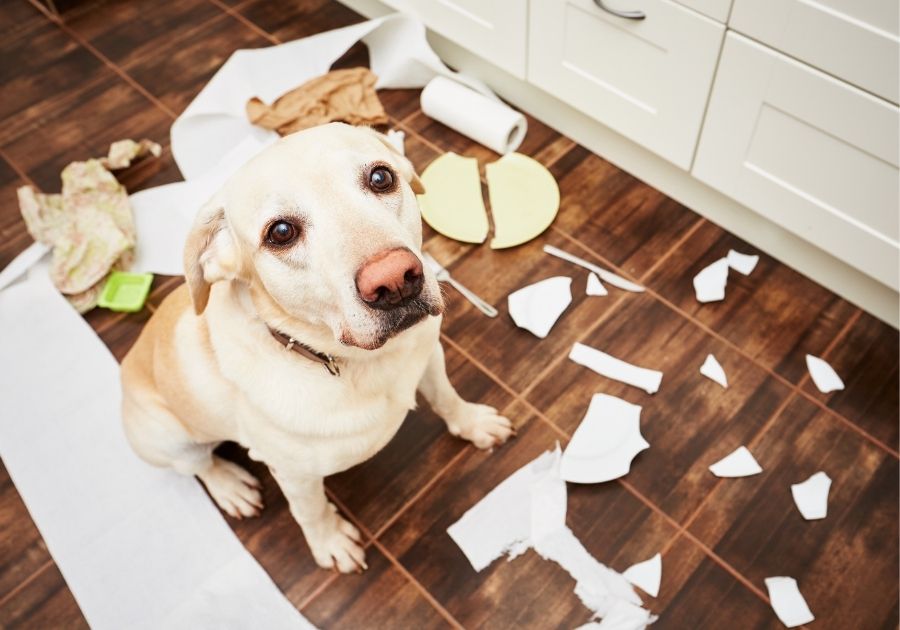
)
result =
(739, 463)
(788, 602)
(611, 367)
(823, 375)
(537, 306)
(712, 370)
(742, 263)
(624, 616)
(709, 284)
(646, 575)
(605, 442)
(397, 138)
(139, 547)
(22, 263)
(811, 496)
(604, 274)
(594, 286)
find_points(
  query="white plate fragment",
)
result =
(740, 463)
(811, 496)
(823, 375)
(611, 367)
(646, 575)
(742, 263)
(537, 306)
(711, 369)
(622, 616)
(604, 444)
(787, 602)
(709, 284)
(594, 286)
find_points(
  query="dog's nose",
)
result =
(390, 279)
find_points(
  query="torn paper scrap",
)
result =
(646, 575)
(740, 463)
(537, 306)
(788, 602)
(711, 369)
(611, 367)
(823, 375)
(742, 263)
(594, 286)
(709, 284)
(622, 616)
(811, 496)
(452, 203)
(397, 139)
(604, 444)
(524, 199)
(604, 274)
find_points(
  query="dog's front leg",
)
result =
(480, 424)
(334, 541)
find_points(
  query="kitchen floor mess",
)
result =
(751, 477)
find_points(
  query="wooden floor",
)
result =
(111, 70)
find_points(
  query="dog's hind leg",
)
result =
(480, 424)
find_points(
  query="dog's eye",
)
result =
(381, 179)
(282, 233)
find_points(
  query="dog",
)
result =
(305, 327)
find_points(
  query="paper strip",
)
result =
(594, 286)
(646, 575)
(138, 546)
(537, 306)
(740, 463)
(611, 367)
(788, 602)
(22, 263)
(742, 263)
(709, 284)
(712, 370)
(811, 496)
(823, 375)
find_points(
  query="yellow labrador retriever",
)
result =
(305, 328)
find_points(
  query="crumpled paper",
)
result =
(89, 224)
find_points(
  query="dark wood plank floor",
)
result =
(104, 70)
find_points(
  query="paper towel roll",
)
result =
(488, 122)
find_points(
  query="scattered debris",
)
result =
(740, 463)
(788, 602)
(537, 306)
(811, 496)
(611, 367)
(709, 284)
(646, 575)
(742, 263)
(605, 275)
(594, 286)
(823, 375)
(712, 370)
(524, 199)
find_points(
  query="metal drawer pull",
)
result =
(630, 15)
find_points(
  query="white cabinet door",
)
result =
(716, 9)
(812, 154)
(497, 30)
(855, 40)
(647, 79)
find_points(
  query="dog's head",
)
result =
(324, 227)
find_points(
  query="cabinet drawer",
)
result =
(855, 40)
(812, 154)
(646, 79)
(495, 30)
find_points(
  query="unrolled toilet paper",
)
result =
(487, 121)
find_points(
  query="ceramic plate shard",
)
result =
(740, 463)
(594, 286)
(711, 369)
(524, 199)
(823, 375)
(611, 367)
(646, 575)
(604, 444)
(452, 203)
(622, 616)
(742, 263)
(537, 306)
(605, 275)
(709, 284)
(787, 602)
(811, 496)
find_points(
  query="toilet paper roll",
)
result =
(487, 121)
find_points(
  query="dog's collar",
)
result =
(290, 343)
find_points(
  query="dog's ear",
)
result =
(406, 167)
(210, 253)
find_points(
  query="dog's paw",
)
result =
(234, 489)
(481, 425)
(336, 545)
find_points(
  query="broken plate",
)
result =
(788, 602)
(712, 370)
(811, 496)
(594, 286)
(740, 463)
(537, 306)
(823, 375)
(646, 575)
(611, 367)
(709, 284)
(742, 263)
(604, 444)
(524, 199)
(452, 202)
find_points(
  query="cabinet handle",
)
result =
(630, 15)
